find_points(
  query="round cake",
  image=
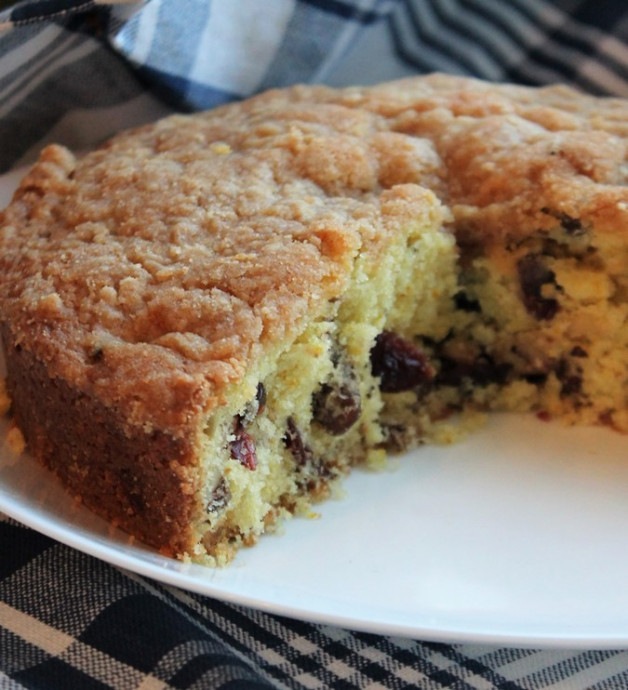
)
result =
(208, 320)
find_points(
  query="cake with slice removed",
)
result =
(207, 321)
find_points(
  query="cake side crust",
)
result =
(143, 482)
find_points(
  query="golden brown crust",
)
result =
(507, 152)
(143, 483)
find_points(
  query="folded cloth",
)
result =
(75, 71)
(60, 57)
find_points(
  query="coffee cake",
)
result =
(208, 320)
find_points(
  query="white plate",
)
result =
(515, 536)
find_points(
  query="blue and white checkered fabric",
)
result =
(579, 42)
(75, 71)
(57, 56)
(64, 56)
(204, 53)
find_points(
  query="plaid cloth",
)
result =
(191, 54)
(72, 70)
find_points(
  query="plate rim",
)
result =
(145, 562)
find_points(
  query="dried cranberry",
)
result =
(571, 381)
(572, 385)
(254, 407)
(337, 406)
(293, 441)
(533, 275)
(337, 409)
(481, 371)
(242, 447)
(313, 471)
(399, 364)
